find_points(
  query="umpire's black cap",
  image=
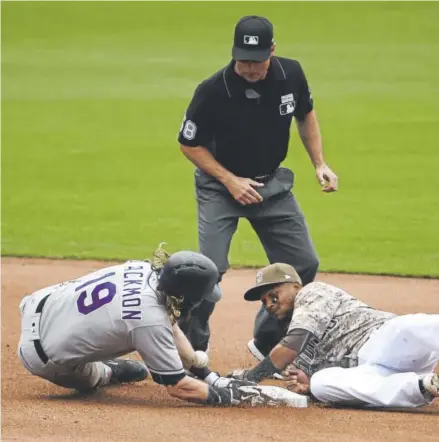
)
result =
(253, 39)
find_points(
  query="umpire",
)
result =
(236, 131)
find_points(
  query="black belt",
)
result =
(37, 343)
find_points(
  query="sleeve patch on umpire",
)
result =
(189, 130)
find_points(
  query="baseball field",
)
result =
(93, 95)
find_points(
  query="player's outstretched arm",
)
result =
(196, 362)
(189, 357)
(235, 394)
(277, 361)
(189, 389)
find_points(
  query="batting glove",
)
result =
(239, 374)
(216, 380)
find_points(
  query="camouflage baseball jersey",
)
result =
(108, 313)
(340, 323)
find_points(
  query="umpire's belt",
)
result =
(38, 348)
(263, 178)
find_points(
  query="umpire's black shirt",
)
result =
(246, 126)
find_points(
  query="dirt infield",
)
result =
(34, 410)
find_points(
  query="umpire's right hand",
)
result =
(243, 190)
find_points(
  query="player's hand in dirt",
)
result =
(244, 190)
(327, 178)
(296, 380)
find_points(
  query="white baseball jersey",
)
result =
(340, 323)
(109, 313)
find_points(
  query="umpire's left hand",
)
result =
(327, 178)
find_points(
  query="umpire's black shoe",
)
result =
(126, 370)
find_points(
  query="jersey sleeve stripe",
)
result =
(166, 372)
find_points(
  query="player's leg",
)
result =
(83, 377)
(218, 216)
(281, 227)
(30, 350)
(371, 385)
(404, 343)
(394, 363)
(267, 332)
(89, 376)
(196, 325)
(283, 232)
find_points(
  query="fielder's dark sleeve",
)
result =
(304, 103)
(297, 339)
(303, 343)
(196, 129)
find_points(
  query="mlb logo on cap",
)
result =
(251, 40)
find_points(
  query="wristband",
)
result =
(211, 378)
(264, 369)
(201, 373)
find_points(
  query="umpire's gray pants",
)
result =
(281, 228)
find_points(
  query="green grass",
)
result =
(93, 95)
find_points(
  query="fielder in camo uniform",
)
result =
(73, 332)
(342, 350)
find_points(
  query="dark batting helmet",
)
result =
(190, 275)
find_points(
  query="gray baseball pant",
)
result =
(281, 228)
